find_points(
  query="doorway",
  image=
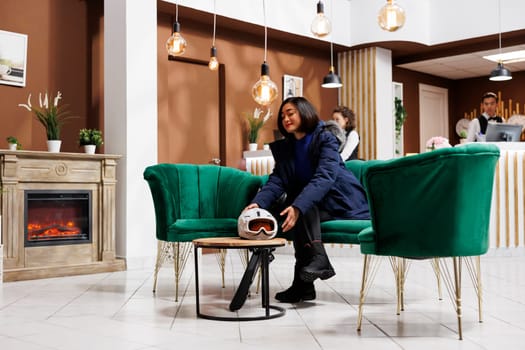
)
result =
(196, 114)
(433, 113)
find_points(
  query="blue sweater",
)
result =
(332, 187)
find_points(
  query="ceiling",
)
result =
(452, 60)
(470, 65)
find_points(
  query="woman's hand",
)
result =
(292, 214)
(250, 206)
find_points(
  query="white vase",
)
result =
(252, 147)
(12, 146)
(54, 145)
(89, 149)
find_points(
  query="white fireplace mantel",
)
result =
(30, 170)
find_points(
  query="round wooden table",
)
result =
(261, 256)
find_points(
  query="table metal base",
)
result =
(261, 256)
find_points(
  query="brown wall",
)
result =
(464, 96)
(242, 55)
(58, 59)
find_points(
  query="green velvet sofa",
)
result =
(195, 201)
(435, 206)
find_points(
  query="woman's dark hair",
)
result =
(307, 112)
(348, 114)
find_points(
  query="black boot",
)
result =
(319, 266)
(298, 291)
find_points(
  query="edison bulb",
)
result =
(214, 63)
(321, 25)
(391, 17)
(176, 44)
(264, 91)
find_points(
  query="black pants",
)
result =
(307, 229)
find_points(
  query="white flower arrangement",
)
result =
(51, 117)
(437, 142)
(255, 122)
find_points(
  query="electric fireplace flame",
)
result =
(43, 231)
(57, 217)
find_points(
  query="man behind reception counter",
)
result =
(477, 127)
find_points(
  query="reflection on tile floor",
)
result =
(118, 310)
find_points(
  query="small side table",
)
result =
(261, 255)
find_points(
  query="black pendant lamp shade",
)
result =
(500, 73)
(332, 80)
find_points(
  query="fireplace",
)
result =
(56, 217)
(58, 214)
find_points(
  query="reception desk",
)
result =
(507, 227)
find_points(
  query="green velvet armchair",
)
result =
(430, 205)
(195, 201)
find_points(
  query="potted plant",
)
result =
(51, 116)
(255, 122)
(90, 139)
(400, 115)
(463, 136)
(13, 143)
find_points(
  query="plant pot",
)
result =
(89, 149)
(252, 147)
(54, 145)
(12, 146)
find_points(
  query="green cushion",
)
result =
(343, 231)
(431, 204)
(198, 228)
(194, 192)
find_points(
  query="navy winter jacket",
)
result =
(332, 187)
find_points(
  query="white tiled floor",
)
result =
(119, 311)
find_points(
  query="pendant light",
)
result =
(176, 44)
(391, 17)
(214, 63)
(321, 25)
(264, 91)
(500, 73)
(331, 80)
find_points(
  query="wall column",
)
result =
(367, 90)
(130, 118)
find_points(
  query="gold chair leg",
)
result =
(473, 264)
(366, 261)
(400, 268)
(181, 252)
(221, 260)
(435, 266)
(158, 261)
(370, 266)
(457, 279)
(453, 284)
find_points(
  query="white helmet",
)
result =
(257, 223)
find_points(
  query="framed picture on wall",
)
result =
(13, 58)
(292, 86)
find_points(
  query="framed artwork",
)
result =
(292, 86)
(13, 58)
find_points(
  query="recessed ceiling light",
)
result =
(508, 57)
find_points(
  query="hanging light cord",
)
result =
(499, 24)
(331, 36)
(331, 54)
(176, 12)
(265, 30)
(214, 22)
